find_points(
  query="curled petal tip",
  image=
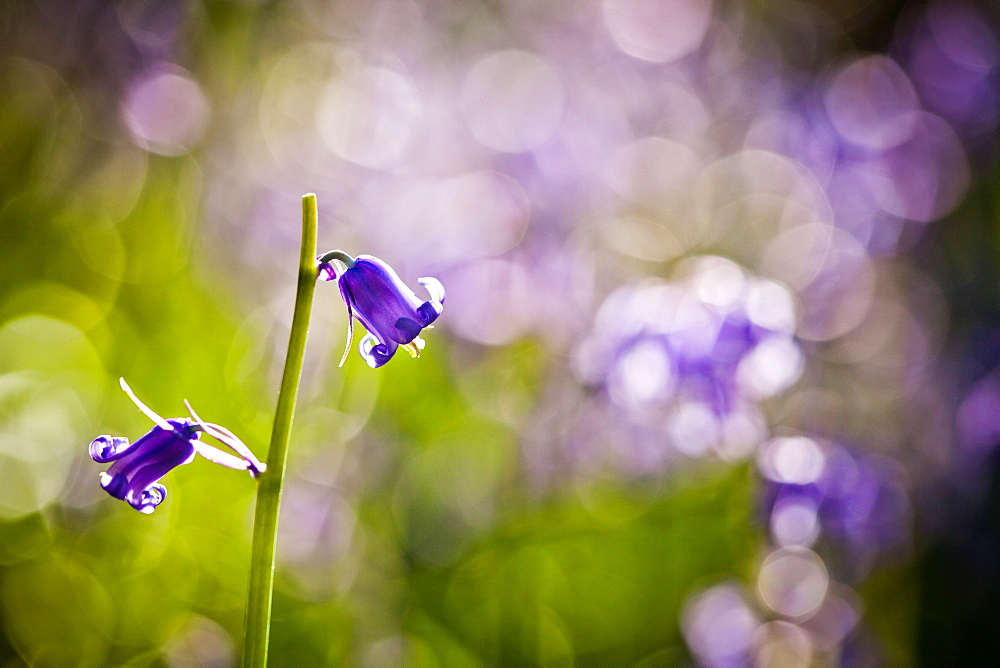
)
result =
(149, 498)
(431, 309)
(375, 353)
(326, 272)
(104, 448)
(434, 288)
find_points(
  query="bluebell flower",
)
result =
(393, 315)
(858, 501)
(137, 467)
(683, 366)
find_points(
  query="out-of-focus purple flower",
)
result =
(719, 625)
(952, 54)
(695, 356)
(853, 499)
(978, 418)
(393, 315)
(138, 466)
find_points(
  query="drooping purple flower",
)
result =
(393, 315)
(137, 467)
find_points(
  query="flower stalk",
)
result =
(265, 525)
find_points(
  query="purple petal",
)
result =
(146, 461)
(326, 272)
(388, 309)
(375, 353)
(115, 485)
(147, 500)
(104, 448)
(434, 288)
(430, 310)
(428, 313)
(408, 328)
(379, 299)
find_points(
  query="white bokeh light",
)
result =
(643, 376)
(872, 103)
(513, 101)
(796, 460)
(719, 625)
(793, 582)
(367, 115)
(781, 644)
(772, 366)
(794, 521)
(166, 111)
(693, 428)
(658, 30)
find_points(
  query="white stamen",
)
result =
(227, 438)
(350, 334)
(146, 410)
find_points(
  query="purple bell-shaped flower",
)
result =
(137, 467)
(393, 315)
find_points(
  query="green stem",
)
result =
(337, 255)
(265, 523)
